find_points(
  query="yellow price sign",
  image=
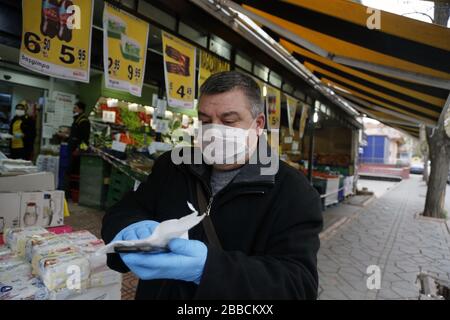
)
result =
(179, 70)
(291, 104)
(56, 38)
(124, 49)
(304, 117)
(209, 65)
(273, 108)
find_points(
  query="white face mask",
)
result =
(75, 114)
(222, 144)
(20, 113)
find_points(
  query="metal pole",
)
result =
(311, 150)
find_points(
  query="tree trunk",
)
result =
(425, 167)
(439, 152)
(438, 143)
(441, 12)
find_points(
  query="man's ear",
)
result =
(260, 123)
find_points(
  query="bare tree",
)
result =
(438, 142)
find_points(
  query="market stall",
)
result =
(334, 151)
(126, 139)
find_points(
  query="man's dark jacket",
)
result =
(79, 132)
(268, 226)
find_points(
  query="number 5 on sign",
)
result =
(56, 38)
(179, 70)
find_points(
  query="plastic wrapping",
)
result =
(23, 289)
(16, 238)
(12, 266)
(56, 268)
(39, 244)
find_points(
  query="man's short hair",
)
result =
(81, 105)
(233, 80)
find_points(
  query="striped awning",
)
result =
(398, 74)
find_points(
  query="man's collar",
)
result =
(249, 173)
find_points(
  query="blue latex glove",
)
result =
(18, 135)
(185, 261)
(139, 230)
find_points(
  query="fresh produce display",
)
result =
(130, 119)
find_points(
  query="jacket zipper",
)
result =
(208, 208)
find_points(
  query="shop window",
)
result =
(98, 13)
(261, 71)
(154, 39)
(300, 95)
(220, 47)
(192, 34)
(287, 88)
(157, 15)
(317, 105)
(275, 79)
(129, 4)
(243, 61)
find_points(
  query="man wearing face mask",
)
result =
(264, 237)
(79, 134)
(81, 128)
(23, 130)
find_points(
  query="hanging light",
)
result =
(315, 117)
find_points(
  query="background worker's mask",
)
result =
(20, 113)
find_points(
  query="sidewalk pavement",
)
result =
(388, 234)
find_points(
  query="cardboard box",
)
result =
(9, 210)
(41, 181)
(45, 209)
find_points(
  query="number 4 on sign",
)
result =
(180, 91)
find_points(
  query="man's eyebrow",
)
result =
(203, 114)
(229, 113)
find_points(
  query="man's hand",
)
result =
(185, 262)
(18, 135)
(136, 231)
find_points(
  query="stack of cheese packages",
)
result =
(40, 265)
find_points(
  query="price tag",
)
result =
(118, 146)
(109, 116)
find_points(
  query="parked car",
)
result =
(416, 168)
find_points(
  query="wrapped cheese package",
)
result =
(16, 238)
(20, 288)
(4, 250)
(12, 266)
(40, 244)
(56, 268)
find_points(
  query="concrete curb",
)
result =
(331, 230)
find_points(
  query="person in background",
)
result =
(23, 130)
(79, 136)
(80, 130)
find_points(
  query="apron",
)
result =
(17, 143)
